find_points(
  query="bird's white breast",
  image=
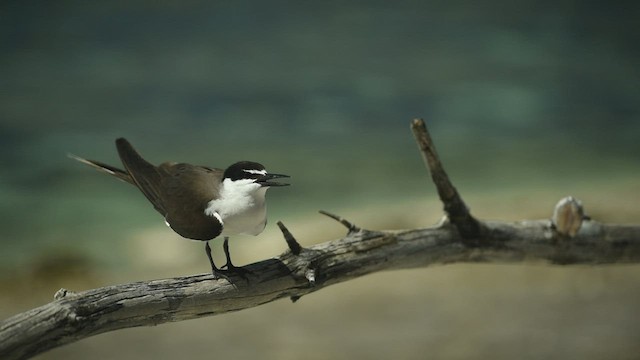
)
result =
(241, 206)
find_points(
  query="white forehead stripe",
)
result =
(260, 172)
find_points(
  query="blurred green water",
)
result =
(531, 95)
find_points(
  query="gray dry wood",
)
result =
(75, 316)
(570, 239)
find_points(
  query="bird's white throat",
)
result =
(241, 207)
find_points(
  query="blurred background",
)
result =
(527, 101)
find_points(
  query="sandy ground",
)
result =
(460, 311)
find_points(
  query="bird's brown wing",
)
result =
(180, 192)
(186, 192)
(144, 175)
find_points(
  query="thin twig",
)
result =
(349, 225)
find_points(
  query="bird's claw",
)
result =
(229, 268)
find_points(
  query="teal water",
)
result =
(515, 95)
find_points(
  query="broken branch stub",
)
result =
(470, 229)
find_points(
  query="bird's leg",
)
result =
(229, 265)
(217, 273)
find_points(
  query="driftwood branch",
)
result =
(569, 237)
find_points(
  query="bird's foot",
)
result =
(220, 274)
(230, 268)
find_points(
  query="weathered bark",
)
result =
(571, 238)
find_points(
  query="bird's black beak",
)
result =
(265, 180)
